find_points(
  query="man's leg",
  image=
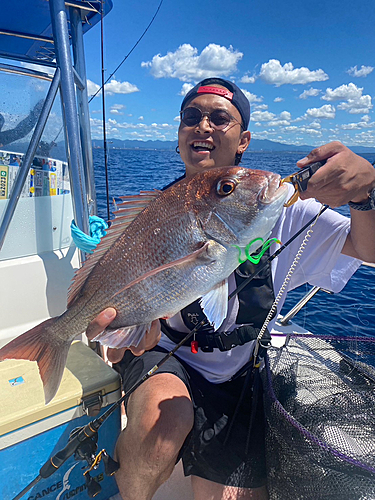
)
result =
(160, 416)
(208, 490)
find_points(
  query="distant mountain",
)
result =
(58, 151)
(135, 144)
(255, 145)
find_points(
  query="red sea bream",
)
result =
(163, 251)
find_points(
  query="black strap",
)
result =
(224, 341)
(255, 302)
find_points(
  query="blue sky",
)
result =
(306, 67)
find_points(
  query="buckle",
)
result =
(225, 341)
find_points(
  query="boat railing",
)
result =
(286, 319)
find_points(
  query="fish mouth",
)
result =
(273, 191)
(202, 146)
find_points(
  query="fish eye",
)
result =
(225, 187)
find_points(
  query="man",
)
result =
(186, 409)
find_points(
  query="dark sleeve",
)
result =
(173, 182)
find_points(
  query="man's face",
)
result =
(201, 146)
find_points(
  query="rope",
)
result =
(87, 243)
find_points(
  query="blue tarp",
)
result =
(32, 17)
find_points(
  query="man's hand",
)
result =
(345, 177)
(105, 318)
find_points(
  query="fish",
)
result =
(164, 250)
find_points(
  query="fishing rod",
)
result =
(88, 434)
(128, 54)
(103, 108)
(105, 149)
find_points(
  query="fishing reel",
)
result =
(87, 451)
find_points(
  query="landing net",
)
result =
(320, 420)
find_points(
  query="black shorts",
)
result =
(238, 460)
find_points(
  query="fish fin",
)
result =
(36, 345)
(184, 260)
(129, 210)
(215, 304)
(123, 337)
(131, 206)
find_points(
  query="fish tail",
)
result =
(38, 344)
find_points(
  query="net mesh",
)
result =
(319, 407)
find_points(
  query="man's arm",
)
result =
(345, 177)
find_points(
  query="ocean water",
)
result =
(351, 312)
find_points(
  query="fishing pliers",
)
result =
(300, 179)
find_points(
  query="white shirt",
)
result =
(321, 264)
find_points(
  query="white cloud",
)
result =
(358, 126)
(160, 131)
(309, 93)
(343, 93)
(311, 131)
(41, 69)
(315, 124)
(366, 138)
(113, 87)
(356, 103)
(252, 97)
(186, 64)
(326, 111)
(359, 105)
(140, 118)
(262, 116)
(259, 107)
(278, 123)
(364, 71)
(283, 119)
(278, 99)
(285, 115)
(185, 89)
(119, 107)
(273, 73)
(92, 88)
(116, 109)
(248, 79)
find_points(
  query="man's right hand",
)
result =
(105, 318)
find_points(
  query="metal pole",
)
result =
(70, 114)
(290, 315)
(29, 156)
(83, 107)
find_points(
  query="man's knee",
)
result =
(160, 414)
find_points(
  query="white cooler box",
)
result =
(31, 432)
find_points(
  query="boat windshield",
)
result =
(44, 211)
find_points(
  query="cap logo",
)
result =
(215, 90)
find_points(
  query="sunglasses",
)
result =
(219, 118)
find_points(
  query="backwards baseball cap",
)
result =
(233, 94)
